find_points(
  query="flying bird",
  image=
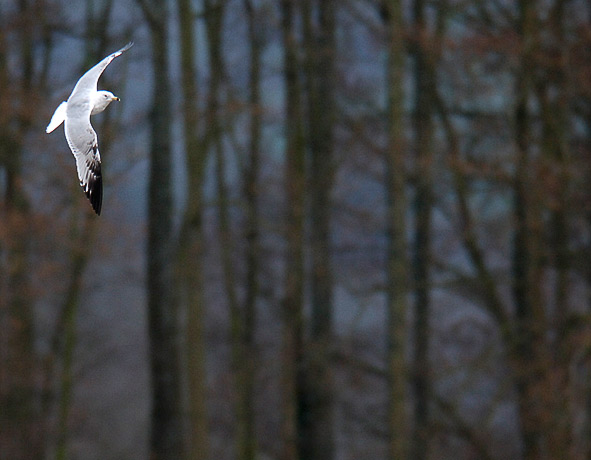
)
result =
(75, 113)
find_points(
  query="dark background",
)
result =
(353, 229)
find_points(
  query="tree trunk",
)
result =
(19, 418)
(214, 20)
(17, 378)
(585, 368)
(397, 263)
(530, 354)
(167, 435)
(423, 127)
(315, 405)
(66, 328)
(294, 276)
(247, 441)
(553, 96)
(190, 249)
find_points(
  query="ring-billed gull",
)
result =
(75, 113)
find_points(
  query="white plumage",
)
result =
(75, 113)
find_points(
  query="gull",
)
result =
(75, 113)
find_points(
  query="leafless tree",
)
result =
(168, 438)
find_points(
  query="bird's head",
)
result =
(102, 100)
(108, 96)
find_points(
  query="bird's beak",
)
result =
(115, 98)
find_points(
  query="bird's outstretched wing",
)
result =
(83, 142)
(89, 80)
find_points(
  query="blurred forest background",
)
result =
(354, 229)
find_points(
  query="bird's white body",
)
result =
(102, 99)
(75, 114)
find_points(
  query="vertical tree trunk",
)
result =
(190, 249)
(294, 279)
(237, 320)
(315, 406)
(240, 319)
(397, 262)
(247, 441)
(19, 423)
(66, 328)
(17, 389)
(530, 317)
(167, 435)
(423, 126)
(528, 369)
(214, 20)
(553, 96)
(585, 368)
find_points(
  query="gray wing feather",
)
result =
(83, 143)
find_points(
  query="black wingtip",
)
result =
(126, 47)
(94, 189)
